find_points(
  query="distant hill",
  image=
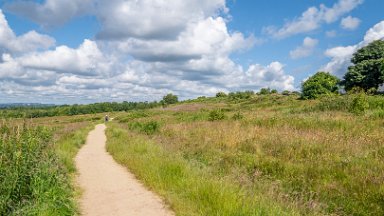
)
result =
(16, 105)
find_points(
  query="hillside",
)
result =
(267, 154)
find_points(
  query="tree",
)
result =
(367, 71)
(322, 83)
(170, 99)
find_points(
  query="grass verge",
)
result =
(36, 168)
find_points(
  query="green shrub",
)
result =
(216, 115)
(221, 94)
(148, 128)
(359, 104)
(265, 91)
(321, 83)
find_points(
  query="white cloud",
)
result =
(147, 19)
(272, 76)
(145, 49)
(312, 18)
(29, 41)
(350, 23)
(341, 55)
(87, 59)
(305, 50)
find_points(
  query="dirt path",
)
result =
(108, 188)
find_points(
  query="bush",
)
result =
(286, 92)
(321, 83)
(359, 104)
(265, 91)
(221, 94)
(216, 115)
(148, 128)
(240, 95)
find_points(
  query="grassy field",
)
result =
(36, 166)
(265, 155)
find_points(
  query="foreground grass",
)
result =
(189, 191)
(271, 154)
(36, 166)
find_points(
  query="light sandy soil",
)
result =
(109, 188)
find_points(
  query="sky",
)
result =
(86, 51)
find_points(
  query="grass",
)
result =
(188, 190)
(36, 165)
(272, 155)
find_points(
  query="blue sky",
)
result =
(83, 51)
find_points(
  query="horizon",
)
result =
(92, 51)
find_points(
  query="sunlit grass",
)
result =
(298, 157)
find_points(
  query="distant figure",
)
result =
(106, 118)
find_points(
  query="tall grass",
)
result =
(36, 167)
(188, 190)
(31, 179)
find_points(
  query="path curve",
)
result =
(109, 188)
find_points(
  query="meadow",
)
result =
(263, 155)
(241, 154)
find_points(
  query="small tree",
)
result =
(367, 71)
(322, 83)
(274, 91)
(170, 99)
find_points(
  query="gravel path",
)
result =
(109, 188)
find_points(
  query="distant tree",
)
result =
(322, 83)
(170, 99)
(367, 71)
(221, 94)
(274, 91)
(265, 91)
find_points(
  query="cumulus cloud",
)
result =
(206, 37)
(144, 50)
(148, 19)
(306, 49)
(341, 55)
(29, 41)
(313, 18)
(350, 23)
(87, 59)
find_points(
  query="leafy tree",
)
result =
(274, 91)
(322, 83)
(170, 99)
(367, 71)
